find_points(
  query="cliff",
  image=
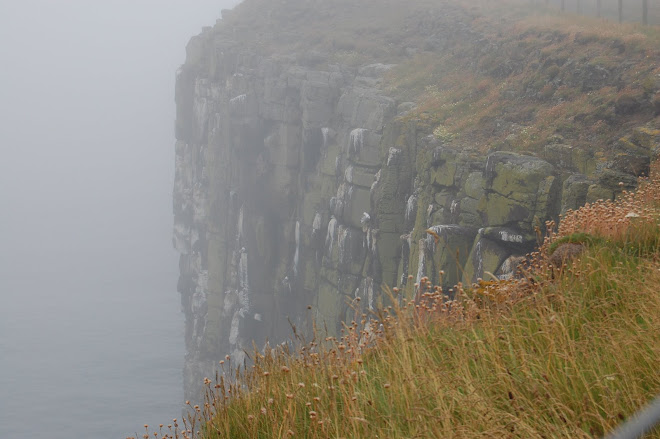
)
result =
(308, 172)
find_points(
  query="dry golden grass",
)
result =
(553, 353)
(632, 217)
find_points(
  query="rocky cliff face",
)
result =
(299, 186)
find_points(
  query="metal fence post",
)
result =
(645, 12)
(642, 422)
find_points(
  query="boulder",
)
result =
(509, 268)
(564, 253)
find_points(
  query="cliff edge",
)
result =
(310, 173)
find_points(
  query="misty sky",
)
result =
(86, 111)
(89, 315)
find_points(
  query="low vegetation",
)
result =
(569, 348)
(506, 74)
(541, 76)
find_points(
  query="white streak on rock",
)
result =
(429, 211)
(369, 291)
(243, 271)
(356, 140)
(344, 234)
(326, 134)
(411, 207)
(375, 183)
(510, 237)
(239, 227)
(332, 233)
(393, 156)
(480, 259)
(240, 99)
(296, 255)
(421, 265)
(233, 330)
(365, 218)
(348, 174)
(316, 224)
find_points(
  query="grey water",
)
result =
(91, 333)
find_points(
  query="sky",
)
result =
(90, 323)
(87, 110)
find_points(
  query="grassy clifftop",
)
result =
(505, 75)
(540, 78)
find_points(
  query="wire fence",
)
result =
(641, 11)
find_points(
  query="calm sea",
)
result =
(91, 334)
(88, 357)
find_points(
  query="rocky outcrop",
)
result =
(275, 169)
(299, 186)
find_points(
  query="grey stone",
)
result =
(365, 108)
(574, 192)
(375, 70)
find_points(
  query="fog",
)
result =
(91, 340)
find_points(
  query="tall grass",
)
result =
(566, 350)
